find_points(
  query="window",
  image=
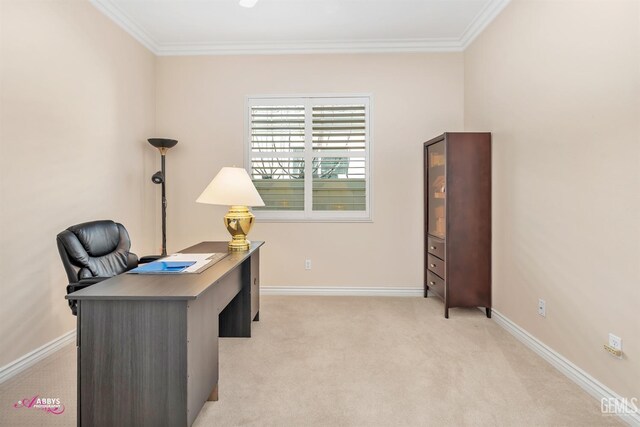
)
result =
(310, 158)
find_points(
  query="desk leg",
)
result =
(235, 318)
(213, 397)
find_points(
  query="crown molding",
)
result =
(311, 47)
(117, 15)
(480, 22)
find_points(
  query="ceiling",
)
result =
(211, 27)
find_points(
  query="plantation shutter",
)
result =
(278, 131)
(310, 156)
(339, 179)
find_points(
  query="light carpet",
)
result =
(356, 361)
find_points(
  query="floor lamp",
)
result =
(160, 177)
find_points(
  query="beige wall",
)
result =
(201, 103)
(558, 84)
(77, 103)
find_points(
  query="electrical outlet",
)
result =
(615, 346)
(542, 308)
(615, 342)
(307, 264)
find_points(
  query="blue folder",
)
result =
(162, 267)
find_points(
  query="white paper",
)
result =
(200, 260)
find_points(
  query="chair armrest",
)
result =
(149, 258)
(132, 261)
(92, 280)
(84, 283)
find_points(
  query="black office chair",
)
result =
(92, 252)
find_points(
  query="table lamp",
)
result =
(233, 187)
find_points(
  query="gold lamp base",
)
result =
(238, 222)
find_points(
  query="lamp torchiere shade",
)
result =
(233, 187)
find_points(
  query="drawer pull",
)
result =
(432, 265)
(433, 248)
(432, 283)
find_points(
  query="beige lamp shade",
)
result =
(231, 187)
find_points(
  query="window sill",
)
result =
(298, 219)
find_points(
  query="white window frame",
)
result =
(308, 215)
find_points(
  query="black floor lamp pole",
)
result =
(164, 207)
(160, 177)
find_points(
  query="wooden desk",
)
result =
(148, 344)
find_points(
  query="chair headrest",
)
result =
(98, 238)
(95, 249)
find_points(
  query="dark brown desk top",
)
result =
(167, 286)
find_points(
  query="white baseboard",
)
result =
(35, 356)
(575, 374)
(342, 291)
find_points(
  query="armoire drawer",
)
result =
(435, 246)
(435, 284)
(436, 265)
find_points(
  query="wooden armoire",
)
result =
(457, 219)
